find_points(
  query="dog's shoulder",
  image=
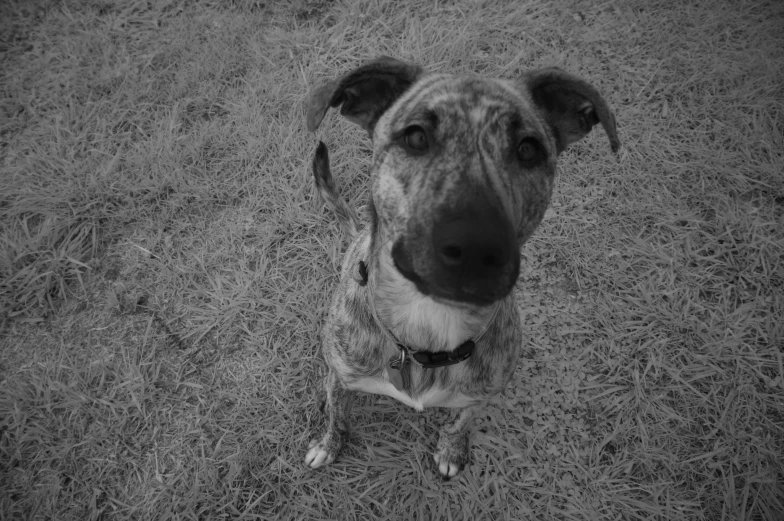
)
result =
(351, 333)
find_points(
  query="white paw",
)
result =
(317, 455)
(447, 469)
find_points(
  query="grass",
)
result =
(165, 265)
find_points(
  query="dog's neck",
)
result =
(417, 320)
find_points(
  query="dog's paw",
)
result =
(448, 468)
(452, 454)
(321, 453)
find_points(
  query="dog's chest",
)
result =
(419, 322)
(417, 326)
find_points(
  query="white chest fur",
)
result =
(416, 319)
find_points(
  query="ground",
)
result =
(165, 265)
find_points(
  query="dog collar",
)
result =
(429, 359)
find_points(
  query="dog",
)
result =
(462, 173)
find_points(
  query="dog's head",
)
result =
(463, 167)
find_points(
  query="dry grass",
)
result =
(164, 266)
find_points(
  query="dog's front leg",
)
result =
(338, 407)
(453, 452)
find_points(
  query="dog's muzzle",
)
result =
(469, 256)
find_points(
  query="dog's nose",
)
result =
(474, 244)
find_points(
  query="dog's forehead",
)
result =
(472, 98)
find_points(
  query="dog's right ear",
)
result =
(364, 93)
(570, 105)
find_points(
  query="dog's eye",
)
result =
(416, 138)
(529, 151)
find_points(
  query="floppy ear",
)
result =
(364, 93)
(570, 105)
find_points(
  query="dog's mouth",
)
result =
(458, 287)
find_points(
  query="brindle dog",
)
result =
(462, 174)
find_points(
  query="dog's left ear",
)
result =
(364, 93)
(570, 105)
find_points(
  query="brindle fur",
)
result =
(474, 126)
